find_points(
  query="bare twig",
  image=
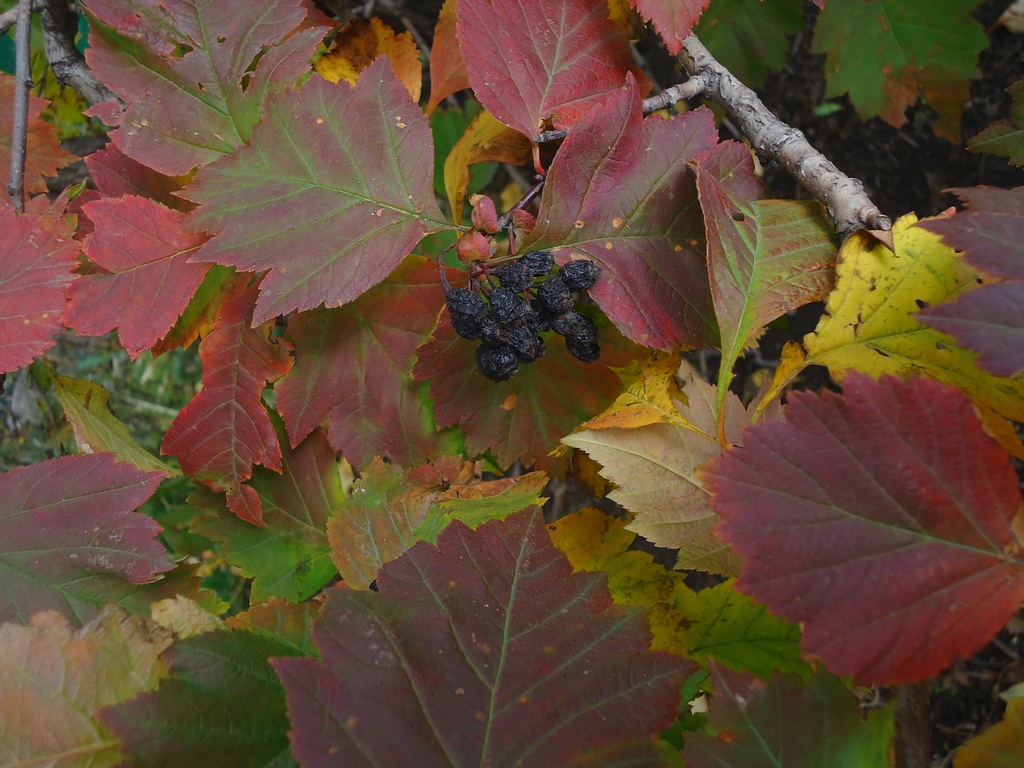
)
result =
(667, 98)
(60, 25)
(844, 197)
(9, 18)
(910, 739)
(524, 201)
(23, 76)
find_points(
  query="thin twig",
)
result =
(524, 201)
(60, 25)
(9, 18)
(844, 197)
(667, 98)
(23, 77)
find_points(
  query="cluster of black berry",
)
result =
(512, 305)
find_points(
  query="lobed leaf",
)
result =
(391, 509)
(200, 72)
(989, 320)
(485, 645)
(53, 679)
(37, 256)
(765, 257)
(225, 429)
(620, 191)
(43, 157)
(525, 417)
(787, 723)
(289, 623)
(882, 519)
(889, 55)
(353, 367)
(70, 539)
(544, 59)
(328, 210)
(221, 704)
(1005, 137)
(359, 43)
(143, 250)
(448, 74)
(97, 430)
(673, 19)
(116, 175)
(288, 556)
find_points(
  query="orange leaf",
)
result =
(360, 43)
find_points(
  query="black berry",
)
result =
(555, 296)
(588, 352)
(497, 360)
(463, 301)
(508, 306)
(538, 263)
(515, 277)
(467, 326)
(527, 344)
(580, 274)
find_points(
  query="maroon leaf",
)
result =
(225, 429)
(530, 61)
(44, 156)
(199, 71)
(115, 174)
(448, 73)
(144, 249)
(882, 519)
(478, 652)
(70, 539)
(989, 320)
(672, 18)
(621, 192)
(525, 417)
(333, 194)
(353, 366)
(37, 256)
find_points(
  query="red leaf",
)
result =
(225, 429)
(353, 365)
(881, 518)
(44, 156)
(144, 249)
(37, 256)
(989, 320)
(525, 417)
(70, 539)
(329, 210)
(672, 18)
(530, 61)
(620, 191)
(205, 93)
(448, 73)
(478, 652)
(115, 174)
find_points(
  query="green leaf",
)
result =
(97, 430)
(890, 53)
(1005, 137)
(750, 37)
(222, 705)
(289, 556)
(787, 723)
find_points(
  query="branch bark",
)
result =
(23, 77)
(60, 25)
(844, 197)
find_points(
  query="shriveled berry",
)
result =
(555, 296)
(539, 318)
(538, 263)
(508, 306)
(467, 326)
(573, 325)
(465, 302)
(490, 326)
(588, 351)
(527, 344)
(580, 274)
(515, 277)
(497, 360)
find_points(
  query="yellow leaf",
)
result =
(870, 322)
(1000, 746)
(654, 463)
(184, 617)
(360, 43)
(485, 140)
(53, 679)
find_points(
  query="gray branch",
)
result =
(23, 77)
(60, 25)
(844, 197)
